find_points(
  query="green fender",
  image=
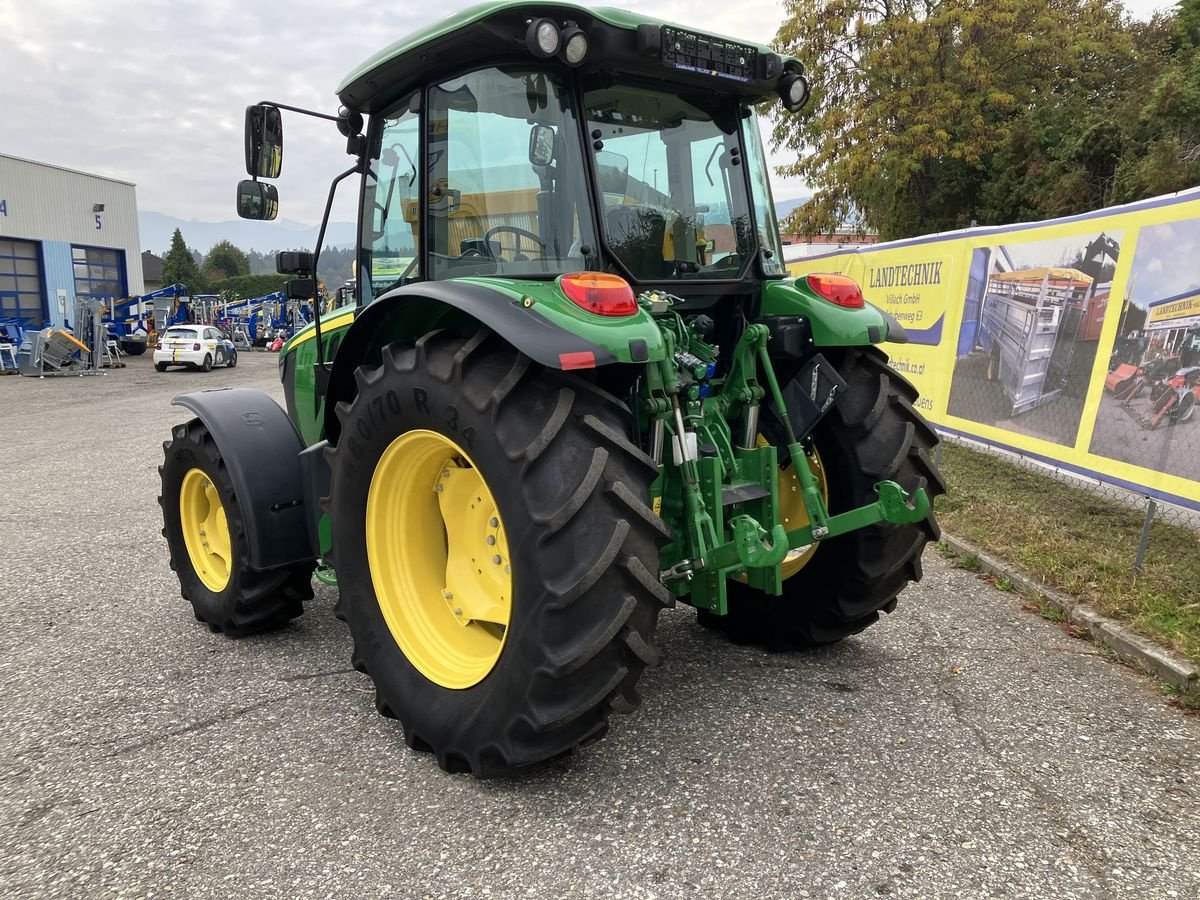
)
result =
(535, 317)
(832, 325)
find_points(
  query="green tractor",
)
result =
(576, 385)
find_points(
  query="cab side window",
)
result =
(390, 224)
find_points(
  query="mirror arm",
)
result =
(297, 109)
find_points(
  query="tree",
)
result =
(253, 285)
(179, 266)
(225, 260)
(919, 106)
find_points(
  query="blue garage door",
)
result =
(21, 295)
(99, 272)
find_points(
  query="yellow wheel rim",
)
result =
(792, 512)
(439, 559)
(205, 530)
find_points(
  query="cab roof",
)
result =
(494, 34)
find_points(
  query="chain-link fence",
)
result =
(1139, 504)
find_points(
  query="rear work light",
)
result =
(841, 290)
(600, 293)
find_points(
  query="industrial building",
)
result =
(63, 234)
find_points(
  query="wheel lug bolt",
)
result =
(458, 612)
(508, 570)
(494, 522)
(491, 539)
(496, 559)
(438, 488)
(448, 595)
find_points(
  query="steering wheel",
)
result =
(520, 233)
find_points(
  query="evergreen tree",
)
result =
(179, 266)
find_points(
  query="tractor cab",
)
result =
(529, 141)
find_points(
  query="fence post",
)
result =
(1151, 506)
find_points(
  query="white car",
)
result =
(195, 346)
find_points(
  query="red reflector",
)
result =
(600, 293)
(839, 289)
(585, 359)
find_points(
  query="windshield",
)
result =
(672, 183)
(507, 194)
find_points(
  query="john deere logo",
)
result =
(252, 418)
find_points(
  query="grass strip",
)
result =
(1078, 542)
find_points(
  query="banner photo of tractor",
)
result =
(1075, 341)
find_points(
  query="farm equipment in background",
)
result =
(1173, 398)
(134, 322)
(511, 455)
(85, 350)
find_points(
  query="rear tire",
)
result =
(571, 494)
(224, 592)
(872, 434)
(232, 358)
(160, 367)
(207, 364)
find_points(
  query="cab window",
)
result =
(390, 233)
(507, 193)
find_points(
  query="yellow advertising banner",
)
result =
(1074, 341)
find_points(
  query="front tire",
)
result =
(872, 434)
(206, 536)
(555, 552)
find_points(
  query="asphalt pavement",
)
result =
(962, 747)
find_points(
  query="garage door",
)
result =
(21, 294)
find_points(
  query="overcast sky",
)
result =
(154, 92)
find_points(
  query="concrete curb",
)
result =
(1130, 647)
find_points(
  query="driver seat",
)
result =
(636, 234)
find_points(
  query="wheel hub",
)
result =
(439, 559)
(205, 530)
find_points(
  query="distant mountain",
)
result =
(784, 207)
(156, 230)
(282, 234)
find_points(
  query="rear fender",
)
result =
(831, 325)
(261, 449)
(534, 317)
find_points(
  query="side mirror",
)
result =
(257, 200)
(294, 262)
(301, 289)
(541, 145)
(264, 141)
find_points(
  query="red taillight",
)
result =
(600, 293)
(196, 347)
(839, 289)
(158, 346)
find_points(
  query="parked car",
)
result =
(195, 346)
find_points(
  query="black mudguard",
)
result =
(261, 448)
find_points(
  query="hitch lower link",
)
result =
(753, 547)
